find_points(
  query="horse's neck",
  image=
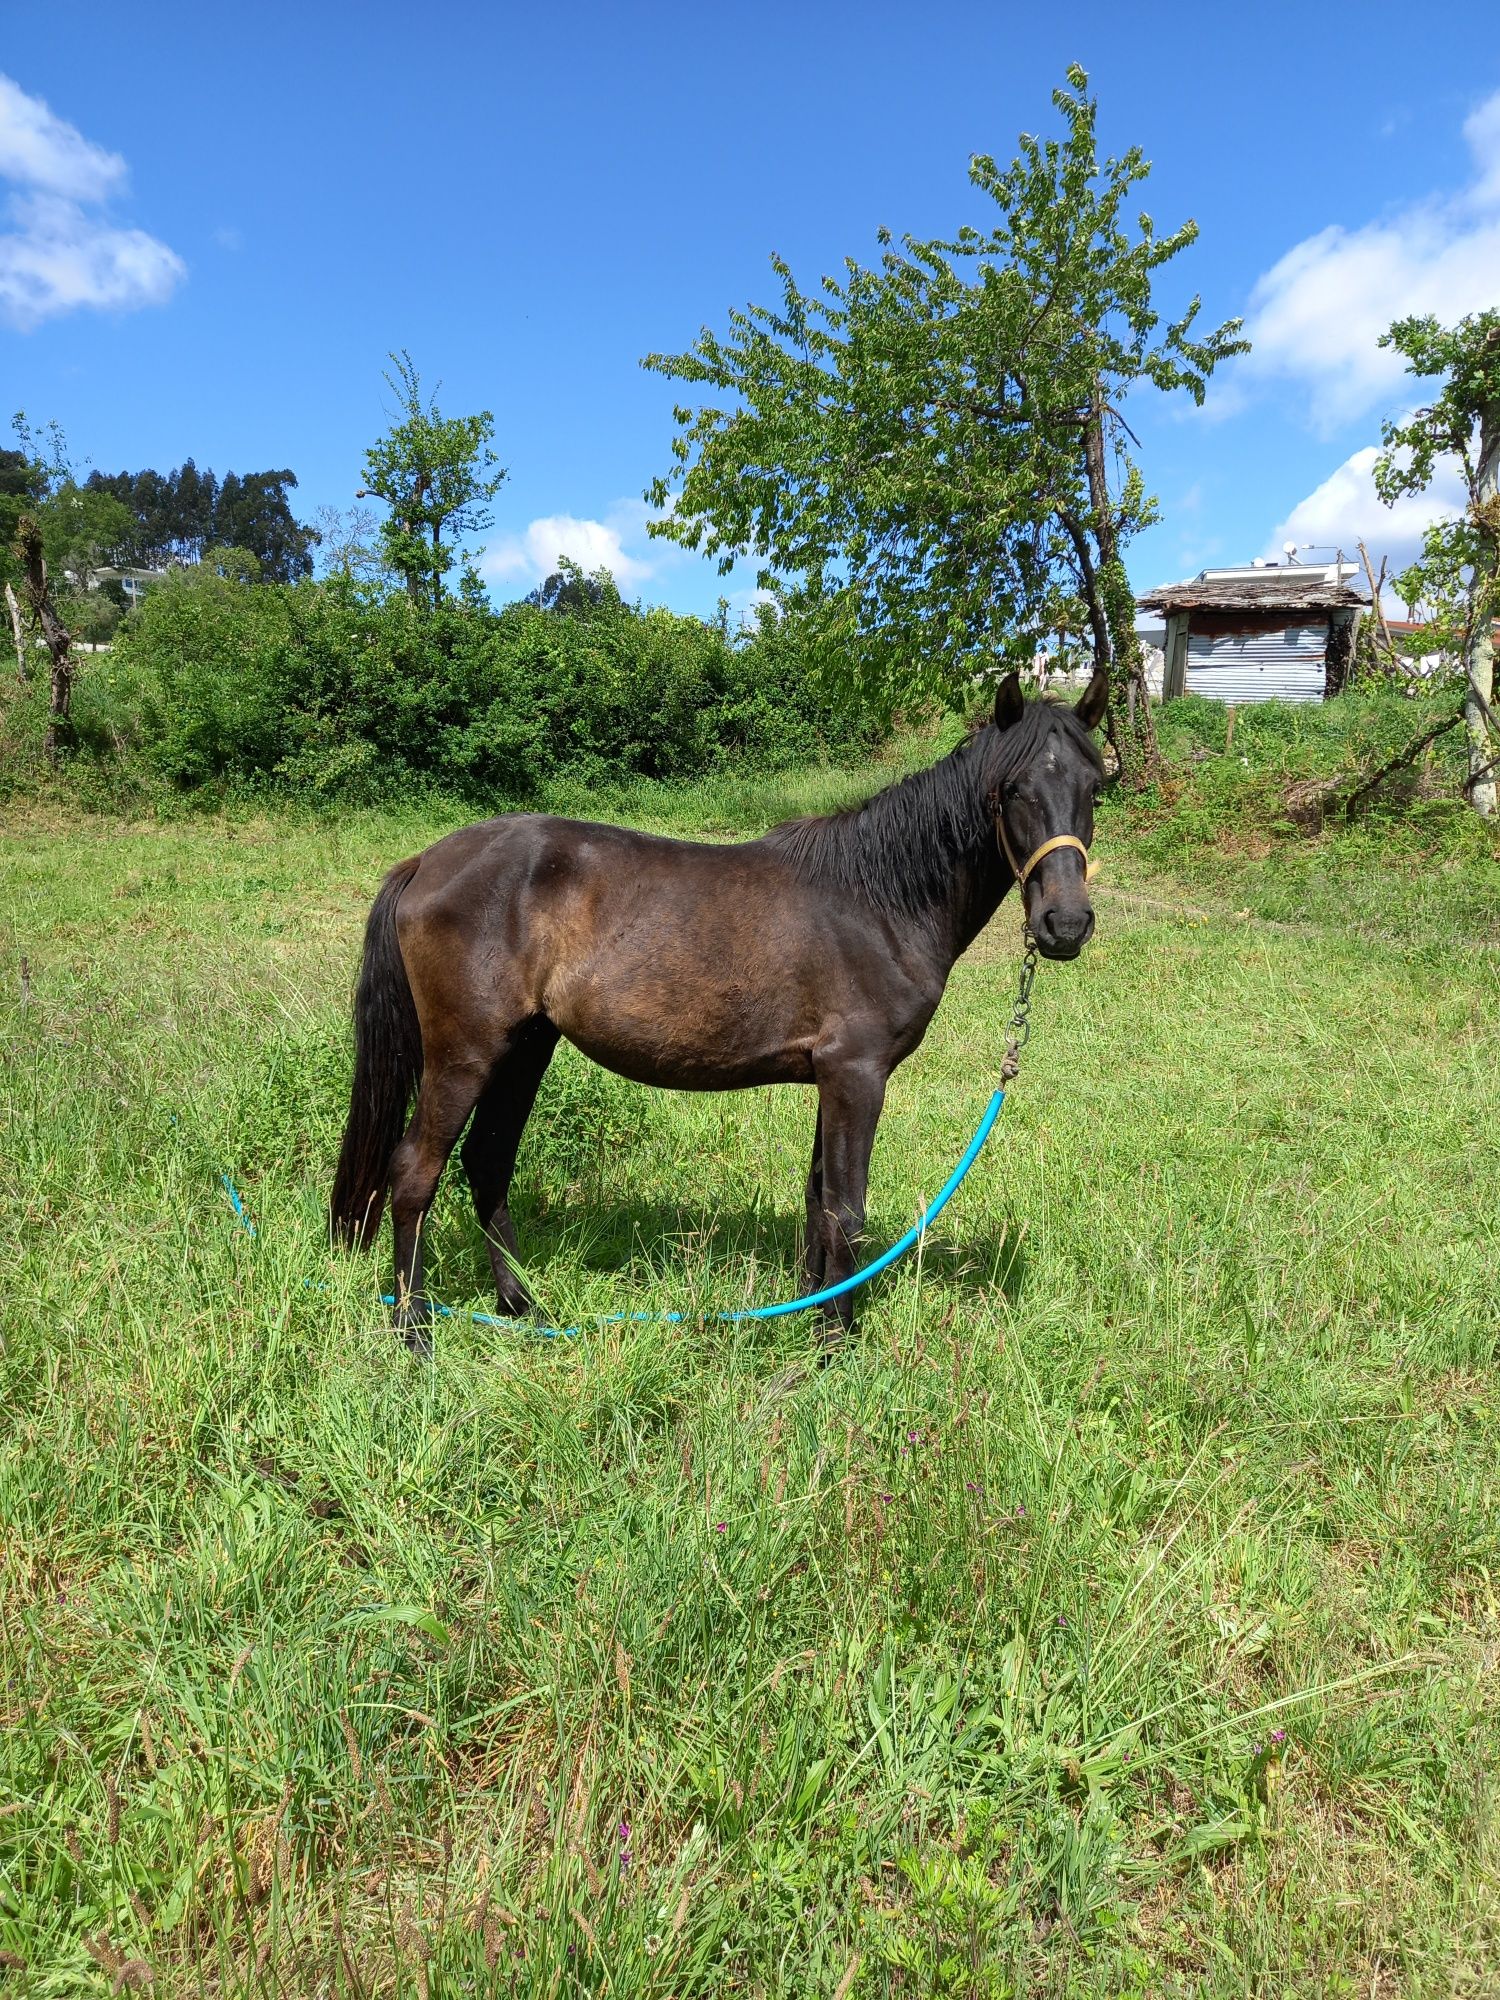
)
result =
(969, 893)
(979, 884)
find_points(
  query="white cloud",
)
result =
(1346, 510)
(1482, 130)
(41, 150)
(61, 258)
(532, 555)
(1316, 315)
(61, 254)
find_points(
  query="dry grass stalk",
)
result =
(351, 1741)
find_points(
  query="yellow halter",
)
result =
(1090, 868)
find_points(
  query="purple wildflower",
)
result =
(720, 1526)
(1278, 1736)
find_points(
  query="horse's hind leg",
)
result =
(448, 1094)
(489, 1155)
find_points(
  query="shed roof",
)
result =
(1297, 587)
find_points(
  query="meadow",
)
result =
(1116, 1616)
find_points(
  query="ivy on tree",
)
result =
(1459, 568)
(54, 534)
(437, 475)
(929, 457)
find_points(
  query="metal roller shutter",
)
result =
(1288, 665)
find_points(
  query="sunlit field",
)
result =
(1116, 1615)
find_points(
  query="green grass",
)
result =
(954, 1669)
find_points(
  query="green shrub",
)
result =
(317, 690)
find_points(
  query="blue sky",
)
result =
(219, 220)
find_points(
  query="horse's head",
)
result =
(1047, 777)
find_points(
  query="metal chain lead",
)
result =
(1020, 1020)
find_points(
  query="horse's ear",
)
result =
(1008, 702)
(1090, 711)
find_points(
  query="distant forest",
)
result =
(180, 515)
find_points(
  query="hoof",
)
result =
(833, 1335)
(414, 1324)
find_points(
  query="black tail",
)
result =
(387, 1069)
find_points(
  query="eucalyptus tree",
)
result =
(1459, 568)
(437, 475)
(929, 455)
(181, 515)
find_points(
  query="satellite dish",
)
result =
(1289, 548)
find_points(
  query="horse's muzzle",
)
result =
(1062, 930)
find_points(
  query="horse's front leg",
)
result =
(850, 1097)
(812, 1243)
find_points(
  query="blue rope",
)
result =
(871, 1270)
(241, 1212)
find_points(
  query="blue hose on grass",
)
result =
(871, 1270)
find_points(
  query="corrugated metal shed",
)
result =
(1266, 632)
(1284, 664)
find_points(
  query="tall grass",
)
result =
(1115, 1616)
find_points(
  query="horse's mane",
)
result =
(900, 849)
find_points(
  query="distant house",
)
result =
(1269, 632)
(1424, 653)
(134, 582)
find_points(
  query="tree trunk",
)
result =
(1479, 688)
(1132, 726)
(12, 605)
(58, 639)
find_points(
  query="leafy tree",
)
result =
(30, 471)
(437, 475)
(571, 590)
(923, 450)
(1459, 568)
(252, 513)
(81, 531)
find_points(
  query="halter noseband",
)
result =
(1090, 868)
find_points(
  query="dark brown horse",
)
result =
(816, 955)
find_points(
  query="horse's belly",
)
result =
(660, 1026)
(679, 1054)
